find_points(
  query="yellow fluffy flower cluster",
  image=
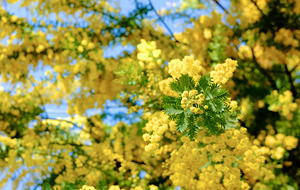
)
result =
(85, 187)
(285, 105)
(251, 11)
(116, 187)
(190, 98)
(245, 52)
(286, 37)
(273, 145)
(223, 72)
(147, 54)
(164, 87)
(187, 66)
(157, 129)
(217, 162)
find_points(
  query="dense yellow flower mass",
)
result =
(282, 103)
(191, 99)
(275, 146)
(164, 87)
(158, 130)
(212, 162)
(67, 52)
(85, 187)
(223, 72)
(187, 66)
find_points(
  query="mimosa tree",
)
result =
(218, 104)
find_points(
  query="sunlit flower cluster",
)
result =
(223, 72)
(148, 55)
(187, 66)
(85, 187)
(275, 146)
(286, 37)
(282, 103)
(191, 99)
(164, 87)
(158, 129)
(216, 162)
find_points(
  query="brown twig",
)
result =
(221, 6)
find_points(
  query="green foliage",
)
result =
(184, 83)
(46, 186)
(215, 118)
(102, 185)
(72, 186)
(216, 47)
(20, 121)
(129, 73)
(289, 127)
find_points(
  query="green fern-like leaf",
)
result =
(203, 83)
(170, 101)
(218, 115)
(214, 90)
(192, 129)
(181, 125)
(185, 82)
(173, 111)
(210, 123)
(222, 95)
(215, 105)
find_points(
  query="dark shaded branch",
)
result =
(221, 6)
(291, 81)
(163, 22)
(264, 72)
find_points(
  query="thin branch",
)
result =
(293, 88)
(221, 6)
(269, 77)
(262, 13)
(257, 7)
(163, 22)
(293, 69)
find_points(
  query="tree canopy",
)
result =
(215, 106)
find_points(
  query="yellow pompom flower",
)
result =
(85, 187)
(187, 66)
(114, 187)
(290, 142)
(223, 72)
(13, 18)
(80, 49)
